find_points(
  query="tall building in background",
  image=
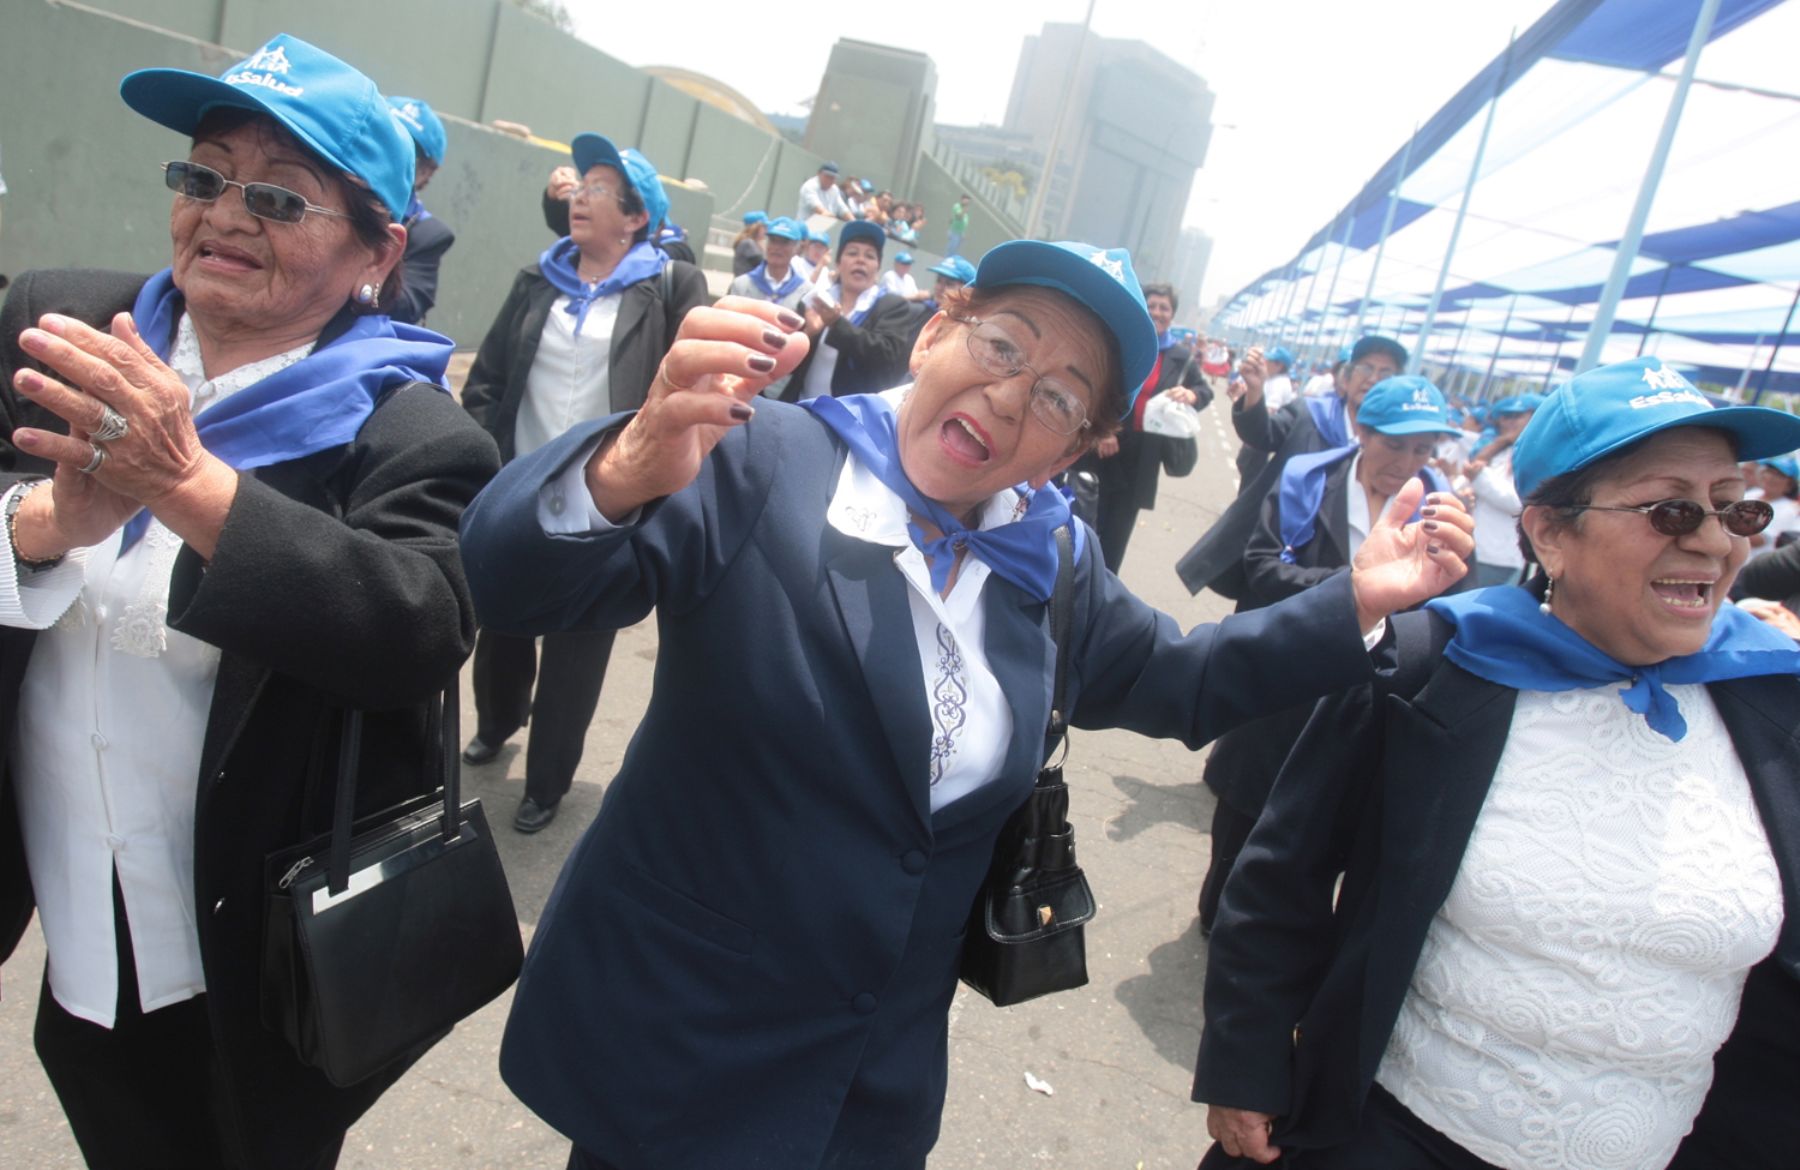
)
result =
(873, 113)
(1187, 272)
(1135, 132)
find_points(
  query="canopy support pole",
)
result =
(1556, 358)
(1762, 383)
(1481, 392)
(1387, 225)
(1601, 329)
(1662, 287)
(1331, 288)
(1462, 208)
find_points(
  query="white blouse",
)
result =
(1592, 951)
(571, 376)
(106, 751)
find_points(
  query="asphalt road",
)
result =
(1117, 1056)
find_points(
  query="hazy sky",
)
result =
(1312, 94)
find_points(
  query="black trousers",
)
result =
(1391, 1138)
(1118, 513)
(1230, 829)
(568, 679)
(146, 1094)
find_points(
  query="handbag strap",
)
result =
(442, 731)
(1060, 606)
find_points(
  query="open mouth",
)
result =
(219, 256)
(966, 442)
(1684, 593)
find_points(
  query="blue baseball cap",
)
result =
(1406, 404)
(335, 111)
(596, 150)
(856, 229)
(1345, 353)
(815, 236)
(1609, 408)
(422, 123)
(954, 267)
(751, 217)
(1786, 464)
(1519, 404)
(1281, 354)
(903, 257)
(1101, 280)
(784, 227)
(1374, 343)
(830, 168)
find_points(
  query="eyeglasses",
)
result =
(593, 191)
(263, 200)
(1370, 370)
(1056, 406)
(1681, 517)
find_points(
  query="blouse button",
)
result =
(913, 862)
(115, 842)
(98, 740)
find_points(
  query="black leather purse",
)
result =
(382, 934)
(1025, 936)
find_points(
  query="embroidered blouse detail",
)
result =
(949, 703)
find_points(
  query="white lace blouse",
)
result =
(1592, 951)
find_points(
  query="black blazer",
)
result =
(1302, 995)
(336, 581)
(1774, 575)
(643, 332)
(872, 357)
(427, 239)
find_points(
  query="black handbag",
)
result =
(1025, 936)
(382, 934)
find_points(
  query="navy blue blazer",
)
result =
(1304, 981)
(749, 958)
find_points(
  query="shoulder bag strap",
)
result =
(1061, 603)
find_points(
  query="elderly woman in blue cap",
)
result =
(1495, 501)
(750, 957)
(1507, 903)
(748, 248)
(858, 330)
(1311, 525)
(427, 236)
(230, 495)
(580, 336)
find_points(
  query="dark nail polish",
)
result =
(1429, 526)
(1427, 511)
(1434, 548)
(741, 412)
(774, 338)
(762, 363)
(790, 321)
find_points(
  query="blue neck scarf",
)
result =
(415, 211)
(864, 303)
(1331, 418)
(759, 276)
(318, 403)
(1023, 552)
(1164, 341)
(1503, 637)
(558, 264)
(1303, 494)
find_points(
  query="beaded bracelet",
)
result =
(13, 503)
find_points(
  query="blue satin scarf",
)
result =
(1023, 551)
(1303, 493)
(318, 403)
(759, 276)
(1503, 637)
(1331, 418)
(558, 264)
(415, 211)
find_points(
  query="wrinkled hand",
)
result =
(1108, 447)
(563, 181)
(721, 359)
(1402, 564)
(159, 463)
(1254, 371)
(1774, 613)
(1243, 1132)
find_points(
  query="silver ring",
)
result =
(112, 425)
(99, 458)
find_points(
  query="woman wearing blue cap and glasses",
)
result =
(248, 525)
(1505, 905)
(750, 957)
(1496, 505)
(579, 336)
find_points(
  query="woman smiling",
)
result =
(750, 956)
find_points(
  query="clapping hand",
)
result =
(722, 358)
(1402, 564)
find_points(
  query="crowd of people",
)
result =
(1498, 875)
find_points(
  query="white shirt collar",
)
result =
(184, 359)
(865, 508)
(869, 297)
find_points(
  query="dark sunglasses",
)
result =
(263, 200)
(1681, 517)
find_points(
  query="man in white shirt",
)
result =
(1278, 388)
(898, 280)
(820, 195)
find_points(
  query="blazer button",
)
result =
(219, 906)
(863, 1004)
(913, 862)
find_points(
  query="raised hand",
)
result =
(721, 359)
(1402, 564)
